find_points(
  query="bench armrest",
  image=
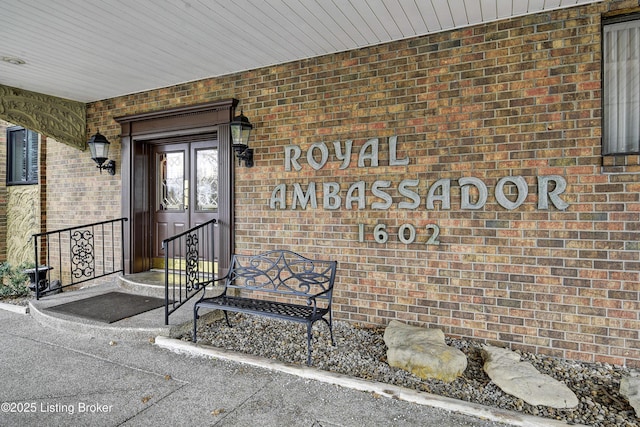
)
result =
(319, 294)
(311, 300)
(203, 288)
(216, 280)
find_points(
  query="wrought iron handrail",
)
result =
(84, 252)
(190, 262)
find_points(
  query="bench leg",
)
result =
(195, 322)
(309, 325)
(226, 317)
(329, 324)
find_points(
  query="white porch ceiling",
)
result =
(87, 50)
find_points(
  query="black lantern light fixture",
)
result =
(99, 146)
(240, 132)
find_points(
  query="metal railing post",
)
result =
(37, 276)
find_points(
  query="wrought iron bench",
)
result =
(274, 284)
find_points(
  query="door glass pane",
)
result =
(207, 180)
(171, 181)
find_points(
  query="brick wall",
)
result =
(76, 191)
(518, 97)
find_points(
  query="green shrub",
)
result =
(13, 282)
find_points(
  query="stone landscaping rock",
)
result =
(630, 390)
(423, 352)
(522, 380)
(361, 353)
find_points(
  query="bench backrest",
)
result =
(283, 272)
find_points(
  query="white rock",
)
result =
(423, 352)
(630, 389)
(522, 380)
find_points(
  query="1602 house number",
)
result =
(407, 233)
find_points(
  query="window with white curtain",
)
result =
(621, 85)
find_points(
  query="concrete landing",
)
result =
(146, 325)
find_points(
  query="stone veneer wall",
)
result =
(23, 220)
(20, 210)
(518, 97)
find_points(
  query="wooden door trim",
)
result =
(137, 131)
(181, 120)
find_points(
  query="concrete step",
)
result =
(148, 283)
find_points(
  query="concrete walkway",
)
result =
(96, 377)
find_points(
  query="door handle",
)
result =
(186, 194)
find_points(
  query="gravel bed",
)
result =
(361, 352)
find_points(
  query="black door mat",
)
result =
(109, 307)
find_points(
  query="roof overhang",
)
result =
(99, 49)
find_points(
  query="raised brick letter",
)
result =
(523, 191)
(445, 195)
(375, 189)
(292, 159)
(393, 159)
(304, 198)
(360, 198)
(410, 194)
(279, 197)
(324, 155)
(373, 156)
(544, 195)
(346, 157)
(465, 202)
(331, 198)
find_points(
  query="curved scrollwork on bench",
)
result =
(286, 275)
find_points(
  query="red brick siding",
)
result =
(515, 97)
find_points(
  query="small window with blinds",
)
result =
(621, 85)
(22, 156)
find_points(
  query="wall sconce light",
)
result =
(240, 132)
(99, 146)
